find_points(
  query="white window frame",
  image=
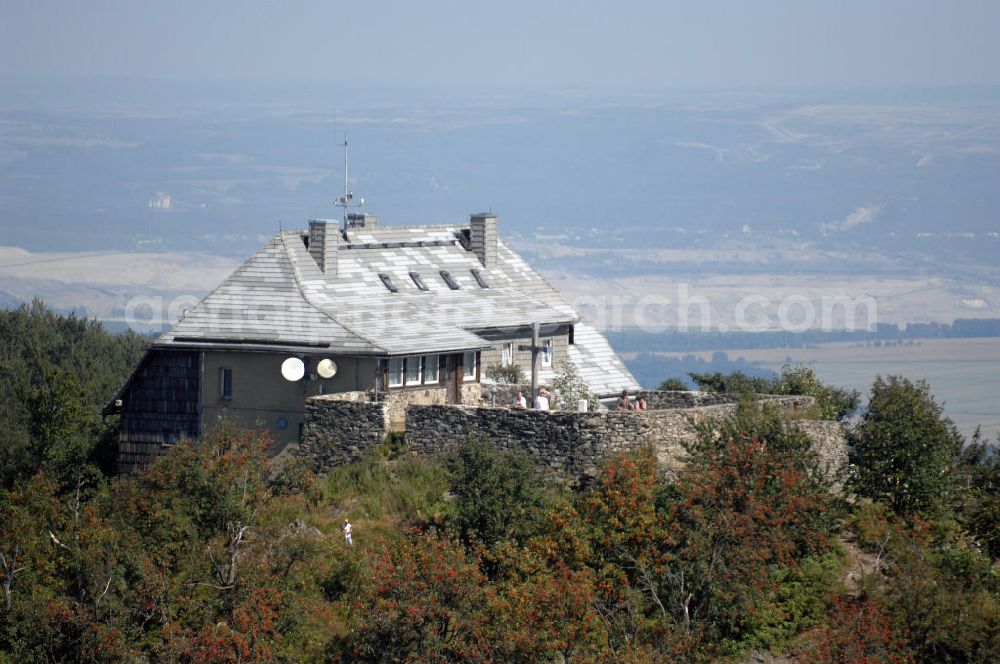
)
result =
(547, 352)
(413, 361)
(396, 372)
(507, 354)
(223, 372)
(470, 366)
(431, 363)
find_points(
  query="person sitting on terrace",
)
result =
(519, 402)
(623, 402)
(640, 404)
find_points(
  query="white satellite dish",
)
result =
(326, 368)
(293, 369)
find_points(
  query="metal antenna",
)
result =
(345, 201)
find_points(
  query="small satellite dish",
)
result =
(326, 368)
(293, 369)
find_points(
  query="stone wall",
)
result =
(341, 427)
(657, 400)
(398, 399)
(502, 394)
(829, 442)
(471, 394)
(574, 444)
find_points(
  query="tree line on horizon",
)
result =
(637, 341)
(213, 554)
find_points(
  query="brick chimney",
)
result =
(324, 236)
(483, 238)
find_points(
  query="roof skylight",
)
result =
(450, 280)
(418, 280)
(387, 282)
(480, 279)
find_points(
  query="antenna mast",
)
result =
(345, 201)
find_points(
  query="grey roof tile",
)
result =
(280, 296)
(261, 302)
(597, 363)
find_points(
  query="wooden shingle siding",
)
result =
(522, 358)
(159, 406)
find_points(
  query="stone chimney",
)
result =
(362, 220)
(324, 236)
(483, 238)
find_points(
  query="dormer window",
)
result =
(418, 280)
(480, 279)
(387, 282)
(450, 280)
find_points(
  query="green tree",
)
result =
(64, 431)
(736, 382)
(979, 504)
(510, 374)
(673, 385)
(570, 388)
(743, 509)
(427, 601)
(497, 495)
(832, 403)
(56, 373)
(939, 589)
(904, 451)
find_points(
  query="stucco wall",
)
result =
(261, 397)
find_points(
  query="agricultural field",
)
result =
(964, 374)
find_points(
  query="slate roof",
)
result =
(280, 298)
(597, 363)
(261, 305)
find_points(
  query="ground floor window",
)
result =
(225, 383)
(547, 353)
(395, 371)
(414, 370)
(507, 354)
(430, 369)
(470, 365)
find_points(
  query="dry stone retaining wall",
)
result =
(568, 443)
(340, 428)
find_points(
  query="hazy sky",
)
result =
(585, 43)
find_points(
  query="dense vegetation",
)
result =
(831, 402)
(56, 373)
(212, 555)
